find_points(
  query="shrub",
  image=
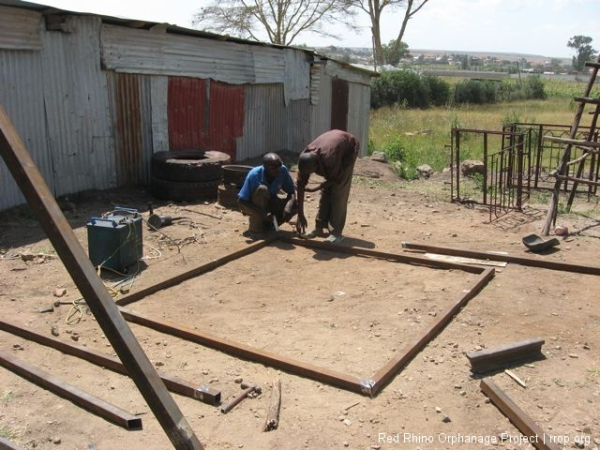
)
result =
(475, 92)
(408, 89)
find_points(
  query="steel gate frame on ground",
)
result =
(367, 386)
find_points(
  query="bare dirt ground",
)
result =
(345, 313)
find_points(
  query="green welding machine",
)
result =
(115, 239)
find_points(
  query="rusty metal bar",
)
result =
(69, 392)
(508, 355)
(5, 444)
(134, 297)
(531, 262)
(244, 351)
(58, 230)
(386, 373)
(174, 384)
(523, 422)
(356, 251)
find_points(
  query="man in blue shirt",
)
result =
(259, 199)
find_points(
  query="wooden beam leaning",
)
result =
(386, 373)
(203, 393)
(246, 352)
(76, 395)
(502, 357)
(523, 422)
(77, 263)
(531, 262)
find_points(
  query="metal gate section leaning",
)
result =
(368, 386)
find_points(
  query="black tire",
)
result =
(235, 174)
(228, 196)
(188, 165)
(181, 191)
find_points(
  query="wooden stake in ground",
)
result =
(272, 421)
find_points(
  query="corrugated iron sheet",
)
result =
(20, 29)
(359, 108)
(187, 113)
(205, 114)
(265, 124)
(22, 97)
(157, 53)
(80, 138)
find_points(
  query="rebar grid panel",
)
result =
(367, 386)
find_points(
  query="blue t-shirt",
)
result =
(256, 177)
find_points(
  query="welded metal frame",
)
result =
(76, 261)
(369, 386)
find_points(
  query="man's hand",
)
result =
(301, 224)
(288, 211)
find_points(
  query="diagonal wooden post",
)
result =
(116, 329)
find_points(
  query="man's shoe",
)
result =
(333, 239)
(313, 234)
(252, 235)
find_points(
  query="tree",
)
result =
(281, 20)
(393, 56)
(585, 52)
(374, 8)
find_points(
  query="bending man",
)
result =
(331, 155)
(259, 198)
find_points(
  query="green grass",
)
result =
(417, 137)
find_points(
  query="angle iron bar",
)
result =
(233, 348)
(356, 251)
(207, 267)
(57, 228)
(69, 392)
(552, 265)
(522, 421)
(488, 360)
(174, 384)
(386, 373)
(5, 444)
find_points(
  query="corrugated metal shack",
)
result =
(93, 97)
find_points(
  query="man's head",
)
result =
(272, 164)
(307, 163)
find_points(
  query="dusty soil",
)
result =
(345, 313)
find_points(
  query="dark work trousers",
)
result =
(333, 205)
(267, 204)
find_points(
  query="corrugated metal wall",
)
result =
(94, 102)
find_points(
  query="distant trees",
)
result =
(393, 54)
(281, 20)
(374, 9)
(585, 52)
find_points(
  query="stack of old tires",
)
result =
(233, 180)
(187, 175)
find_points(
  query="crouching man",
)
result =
(259, 199)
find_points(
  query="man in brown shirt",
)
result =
(331, 155)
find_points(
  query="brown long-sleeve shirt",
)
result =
(335, 151)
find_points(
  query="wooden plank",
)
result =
(487, 360)
(203, 393)
(497, 256)
(523, 422)
(462, 260)
(5, 444)
(101, 304)
(76, 395)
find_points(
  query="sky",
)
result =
(529, 27)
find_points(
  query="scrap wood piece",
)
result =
(483, 361)
(514, 376)
(535, 435)
(272, 421)
(497, 256)
(463, 260)
(69, 392)
(204, 394)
